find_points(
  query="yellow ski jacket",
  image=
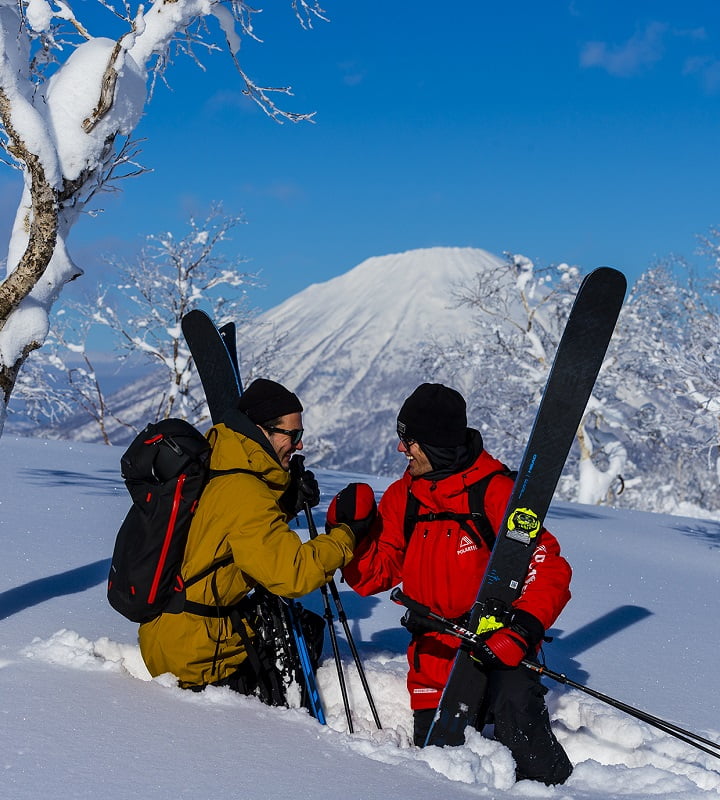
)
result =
(239, 515)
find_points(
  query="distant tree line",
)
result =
(142, 310)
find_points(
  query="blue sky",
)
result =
(575, 131)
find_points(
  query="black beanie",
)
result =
(264, 400)
(434, 414)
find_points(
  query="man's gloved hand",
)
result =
(308, 491)
(356, 507)
(303, 488)
(506, 647)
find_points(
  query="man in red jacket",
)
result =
(441, 561)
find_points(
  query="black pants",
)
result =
(243, 680)
(515, 705)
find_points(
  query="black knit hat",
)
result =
(434, 414)
(264, 400)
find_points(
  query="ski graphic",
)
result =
(228, 333)
(570, 383)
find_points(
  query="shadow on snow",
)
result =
(106, 481)
(38, 591)
(563, 651)
(707, 531)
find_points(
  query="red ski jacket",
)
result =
(441, 566)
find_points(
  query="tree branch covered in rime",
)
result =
(69, 103)
(518, 317)
(41, 394)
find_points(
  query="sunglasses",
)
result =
(406, 441)
(295, 435)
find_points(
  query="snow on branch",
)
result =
(306, 12)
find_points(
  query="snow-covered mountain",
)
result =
(349, 347)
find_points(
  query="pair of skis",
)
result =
(215, 356)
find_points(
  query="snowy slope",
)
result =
(80, 719)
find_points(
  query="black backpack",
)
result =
(482, 532)
(165, 468)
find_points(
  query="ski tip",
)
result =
(194, 313)
(607, 281)
(607, 273)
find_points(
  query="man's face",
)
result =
(283, 442)
(418, 463)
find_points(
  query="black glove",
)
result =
(303, 488)
(354, 506)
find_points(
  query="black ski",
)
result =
(577, 362)
(215, 356)
(213, 361)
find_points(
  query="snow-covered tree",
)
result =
(501, 364)
(82, 387)
(42, 394)
(660, 388)
(519, 316)
(169, 277)
(651, 429)
(69, 103)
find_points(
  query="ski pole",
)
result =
(333, 638)
(353, 649)
(336, 654)
(342, 616)
(423, 615)
(668, 727)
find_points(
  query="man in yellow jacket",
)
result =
(242, 523)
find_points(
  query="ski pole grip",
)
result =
(399, 597)
(297, 465)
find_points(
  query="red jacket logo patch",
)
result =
(466, 545)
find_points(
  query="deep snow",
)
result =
(81, 719)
